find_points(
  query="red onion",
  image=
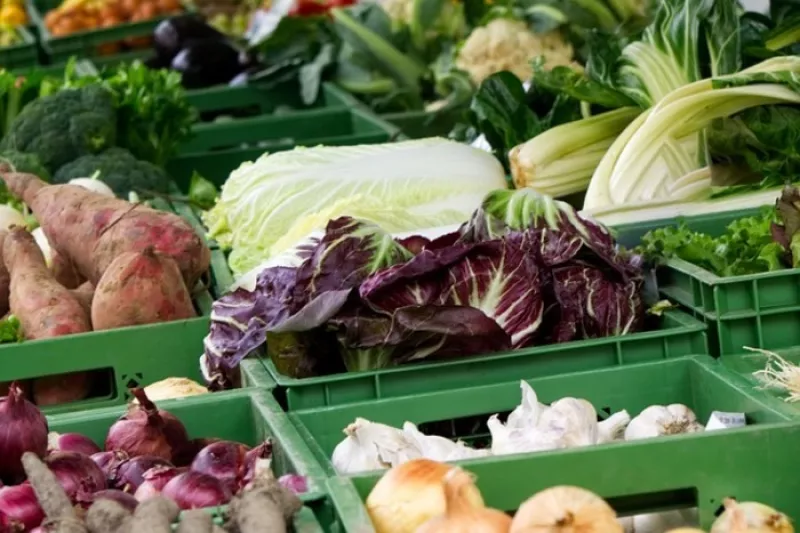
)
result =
(193, 490)
(294, 482)
(71, 442)
(76, 472)
(122, 498)
(225, 460)
(130, 474)
(146, 430)
(109, 463)
(19, 508)
(23, 428)
(154, 481)
(262, 451)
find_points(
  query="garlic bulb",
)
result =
(750, 517)
(658, 420)
(439, 448)
(461, 515)
(526, 414)
(409, 495)
(575, 420)
(506, 441)
(565, 509)
(371, 446)
(613, 427)
(462, 452)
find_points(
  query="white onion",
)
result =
(94, 185)
(10, 217)
(44, 246)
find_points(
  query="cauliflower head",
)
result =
(506, 44)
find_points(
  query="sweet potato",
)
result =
(64, 271)
(43, 306)
(93, 230)
(62, 388)
(84, 294)
(140, 288)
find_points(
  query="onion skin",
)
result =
(146, 430)
(193, 490)
(262, 451)
(109, 463)
(122, 498)
(224, 460)
(23, 428)
(71, 442)
(570, 508)
(76, 473)
(409, 495)
(154, 481)
(294, 482)
(19, 508)
(129, 475)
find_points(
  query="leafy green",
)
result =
(745, 247)
(153, 114)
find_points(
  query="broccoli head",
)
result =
(23, 162)
(64, 126)
(118, 169)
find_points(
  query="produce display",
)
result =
(674, 120)
(530, 427)
(425, 495)
(149, 463)
(525, 270)
(76, 16)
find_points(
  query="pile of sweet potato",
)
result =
(115, 263)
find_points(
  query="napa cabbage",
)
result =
(268, 205)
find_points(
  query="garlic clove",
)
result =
(678, 410)
(430, 446)
(352, 456)
(372, 446)
(575, 419)
(613, 428)
(526, 414)
(658, 420)
(507, 441)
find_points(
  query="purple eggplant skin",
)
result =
(176, 33)
(207, 63)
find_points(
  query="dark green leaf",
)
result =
(568, 81)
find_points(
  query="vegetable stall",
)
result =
(399, 266)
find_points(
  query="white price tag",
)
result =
(720, 420)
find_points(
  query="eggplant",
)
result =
(176, 33)
(207, 63)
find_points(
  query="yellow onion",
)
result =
(461, 515)
(565, 509)
(410, 494)
(171, 388)
(750, 517)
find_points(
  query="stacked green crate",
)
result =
(678, 335)
(759, 310)
(22, 54)
(221, 146)
(91, 44)
(692, 470)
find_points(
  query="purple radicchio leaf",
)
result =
(595, 305)
(500, 278)
(239, 323)
(370, 341)
(349, 251)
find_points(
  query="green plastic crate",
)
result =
(254, 375)
(21, 55)
(121, 358)
(760, 310)
(216, 149)
(745, 363)
(252, 100)
(655, 474)
(246, 417)
(420, 124)
(85, 44)
(678, 335)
